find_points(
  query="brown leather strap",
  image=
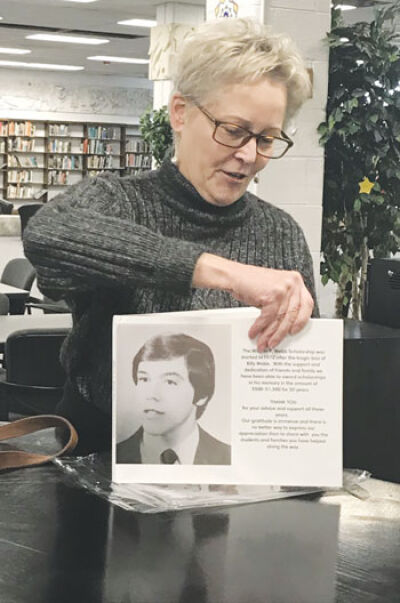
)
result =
(14, 459)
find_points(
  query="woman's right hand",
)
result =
(284, 301)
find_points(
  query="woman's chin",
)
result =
(226, 194)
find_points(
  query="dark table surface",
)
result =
(60, 543)
(357, 329)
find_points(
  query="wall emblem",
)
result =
(226, 8)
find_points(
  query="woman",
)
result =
(186, 236)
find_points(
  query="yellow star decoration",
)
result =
(366, 186)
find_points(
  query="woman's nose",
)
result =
(248, 152)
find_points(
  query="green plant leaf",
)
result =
(156, 131)
(361, 138)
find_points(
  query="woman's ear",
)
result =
(177, 112)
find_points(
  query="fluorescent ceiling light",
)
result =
(14, 51)
(40, 66)
(119, 60)
(138, 22)
(67, 39)
(345, 6)
(87, 1)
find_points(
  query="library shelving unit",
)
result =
(39, 158)
(23, 167)
(136, 152)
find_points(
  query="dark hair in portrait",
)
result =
(198, 357)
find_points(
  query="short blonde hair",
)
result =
(230, 51)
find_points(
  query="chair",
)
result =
(19, 273)
(4, 304)
(6, 207)
(33, 379)
(47, 305)
(4, 309)
(26, 212)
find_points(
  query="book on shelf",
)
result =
(97, 147)
(57, 177)
(59, 146)
(16, 191)
(21, 144)
(103, 132)
(22, 162)
(64, 162)
(3, 128)
(138, 160)
(21, 128)
(58, 129)
(20, 176)
(100, 162)
(135, 145)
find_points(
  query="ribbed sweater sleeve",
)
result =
(88, 237)
(306, 269)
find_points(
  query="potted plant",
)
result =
(156, 131)
(361, 135)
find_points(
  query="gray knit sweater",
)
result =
(112, 245)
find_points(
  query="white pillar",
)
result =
(301, 194)
(174, 21)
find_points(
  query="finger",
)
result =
(266, 328)
(268, 337)
(305, 312)
(276, 306)
(287, 321)
(267, 333)
(283, 329)
(264, 337)
(262, 322)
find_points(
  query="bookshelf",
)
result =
(136, 152)
(39, 158)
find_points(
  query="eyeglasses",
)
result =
(234, 136)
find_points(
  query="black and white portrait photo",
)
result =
(173, 386)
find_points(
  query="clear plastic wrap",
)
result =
(93, 473)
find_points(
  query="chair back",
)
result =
(4, 304)
(20, 273)
(33, 357)
(6, 207)
(26, 212)
(34, 379)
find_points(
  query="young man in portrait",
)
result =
(174, 377)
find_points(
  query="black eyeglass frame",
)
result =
(217, 123)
